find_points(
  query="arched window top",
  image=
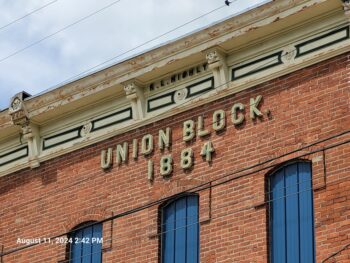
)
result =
(294, 163)
(174, 200)
(86, 243)
(83, 225)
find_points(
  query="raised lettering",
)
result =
(188, 130)
(207, 151)
(186, 158)
(237, 118)
(164, 138)
(219, 120)
(134, 149)
(147, 144)
(106, 158)
(254, 110)
(122, 153)
(201, 127)
(166, 165)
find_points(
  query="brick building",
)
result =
(230, 144)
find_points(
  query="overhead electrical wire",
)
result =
(28, 14)
(136, 47)
(204, 185)
(336, 253)
(73, 78)
(92, 14)
(119, 55)
(206, 125)
(197, 222)
(222, 215)
(195, 189)
(114, 57)
(59, 31)
(88, 178)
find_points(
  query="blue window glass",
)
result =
(291, 214)
(86, 246)
(180, 231)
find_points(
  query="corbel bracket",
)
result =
(30, 132)
(134, 93)
(346, 8)
(216, 58)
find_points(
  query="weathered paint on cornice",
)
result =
(167, 54)
(274, 27)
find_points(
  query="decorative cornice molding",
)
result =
(133, 89)
(152, 60)
(234, 87)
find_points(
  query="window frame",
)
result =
(268, 199)
(81, 227)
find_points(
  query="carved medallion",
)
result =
(85, 131)
(288, 54)
(180, 95)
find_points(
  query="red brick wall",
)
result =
(308, 105)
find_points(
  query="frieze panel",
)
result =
(180, 95)
(322, 41)
(14, 155)
(179, 77)
(86, 130)
(289, 54)
(256, 66)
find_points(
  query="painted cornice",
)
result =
(97, 99)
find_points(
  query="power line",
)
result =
(145, 43)
(336, 253)
(92, 14)
(200, 187)
(207, 125)
(73, 78)
(117, 56)
(197, 222)
(236, 172)
(59, 31)
(28, 14)
(180, 138)
(136, 47)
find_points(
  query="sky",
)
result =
(113, 31)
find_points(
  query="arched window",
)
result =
(180, 230)
(291, 214)
(86, 246)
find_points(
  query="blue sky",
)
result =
(113, 31)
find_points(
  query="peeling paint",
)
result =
(157, 58)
